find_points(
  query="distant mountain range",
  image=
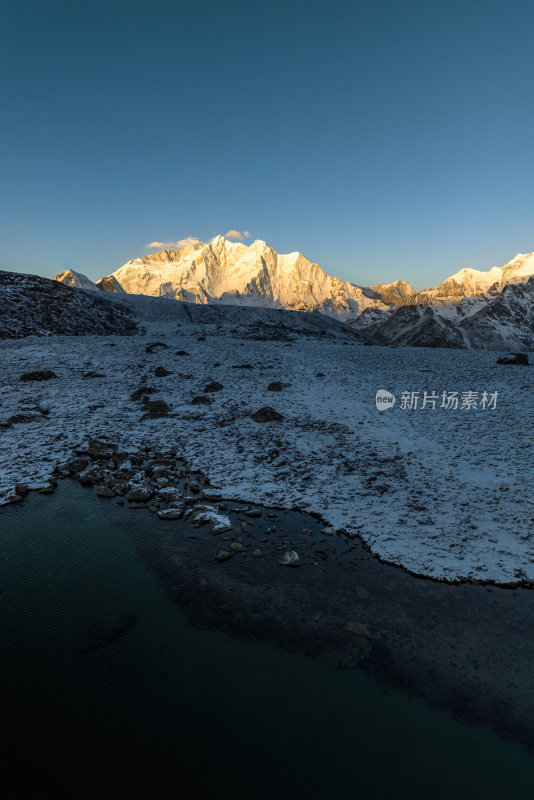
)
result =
(472, 308)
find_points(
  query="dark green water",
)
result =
(166, 709)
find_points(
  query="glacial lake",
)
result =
(107, 689)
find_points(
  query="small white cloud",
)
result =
(237, 235)
(187, 241)
(173, 245)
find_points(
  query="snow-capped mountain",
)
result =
(472, 308)
(412, 326)
(464, 283)
(109, 284)
(234, 274)
(504, 321)
(80, 281)
(398, 293)
(76, 279)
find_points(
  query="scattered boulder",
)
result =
(213, 386)
(156, 408)
(201, 400)
(238, 547)
(105, 491)
(73, 466)
(139, 493)
(182, 353)
(93, 375)
(328, 531)
(223, 555)
(142, 392)
(258, 554)
(219, 523)
(514, 358)
(120, 459)
(21, 489)
(90, 476)
(170, 494)
(253, 512)
(161, 372)
(97, 448)
(39, 375)
(290, 559)
(171, 513)
(18, 419)
(266, 414)
(151, 348)
(275, 386)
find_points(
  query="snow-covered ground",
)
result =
(442, 492)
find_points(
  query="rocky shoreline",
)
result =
(224, 563)
(162, 483)
(165, 484)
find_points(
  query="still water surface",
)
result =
(107, 690)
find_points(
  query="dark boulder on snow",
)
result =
(100, 449)
(143, 391)
(266, 414)
(151, 348)
(514, 358)
(39, 375)
(156, 408)
(213, 386)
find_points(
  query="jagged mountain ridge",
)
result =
(78, 280)
(412, 326)
(224, 272)
(464, 283)
(34, 306)
(506, 322)
(503, 322)
(236, 274)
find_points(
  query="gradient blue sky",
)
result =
(383, 140)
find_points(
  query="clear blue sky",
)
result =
(382, 139)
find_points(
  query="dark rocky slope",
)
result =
(31, 305)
